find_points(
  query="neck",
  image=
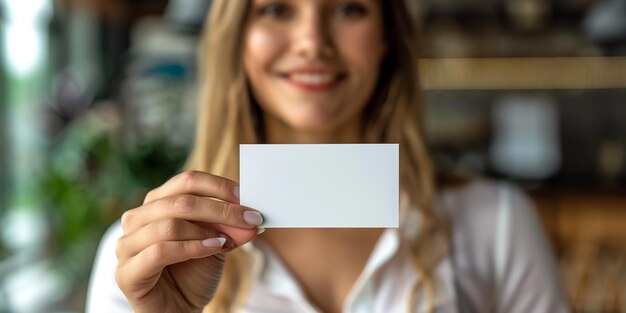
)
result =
(337, 235)
(280, 133)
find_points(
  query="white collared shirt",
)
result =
(499, 262)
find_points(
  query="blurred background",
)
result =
(97, 100)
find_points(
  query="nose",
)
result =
(312, 37)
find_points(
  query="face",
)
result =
(313, 64)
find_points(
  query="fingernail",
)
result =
(214, 242)
(253, 218)
(236, 192)
(260, 230)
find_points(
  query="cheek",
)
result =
(363, 46)
(262, 46)
(260, 51)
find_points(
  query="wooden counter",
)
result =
(588, 232)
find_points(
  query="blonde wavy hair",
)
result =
(229, 116)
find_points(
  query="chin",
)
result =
(315, 124)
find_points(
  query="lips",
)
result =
(313, 79)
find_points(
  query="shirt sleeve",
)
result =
(103, 295)
(526, 276)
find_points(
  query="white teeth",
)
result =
(313, 79)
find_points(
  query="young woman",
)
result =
(319, 71)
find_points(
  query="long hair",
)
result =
(228, 116)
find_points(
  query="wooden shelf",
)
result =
(523, 73)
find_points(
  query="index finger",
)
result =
(197, 183)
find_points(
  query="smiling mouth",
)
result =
(314, 81)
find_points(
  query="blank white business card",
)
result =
(325, 185)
